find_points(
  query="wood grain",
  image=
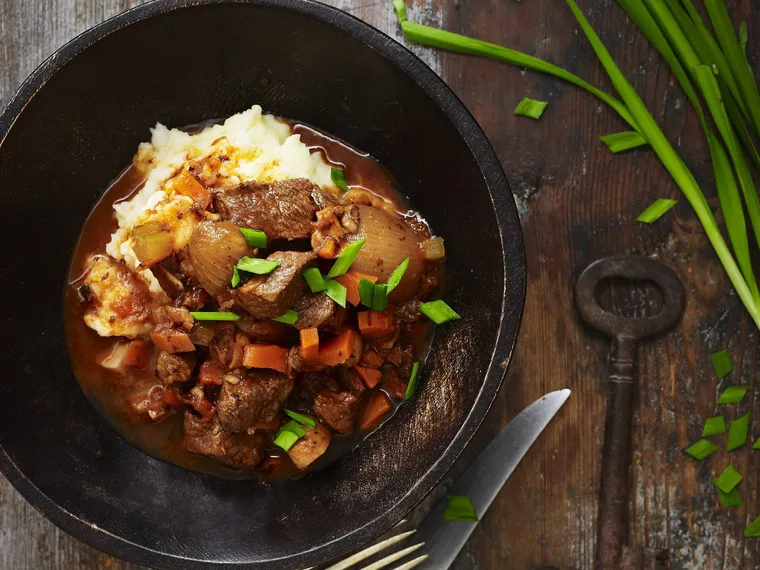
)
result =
(578, 203)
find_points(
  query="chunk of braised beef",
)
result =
(268, 296)
(174, 368)
(283, 210)
(256, 398)
(317, 310)
(211, 373)
(212, 439)
(228, 345)
(337, 409)
(392, 383)
(310, 384)
(264, 330)
(351, 381)
(193, 299)
(408, 311)
(428, 284)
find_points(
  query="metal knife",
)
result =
(483, 480)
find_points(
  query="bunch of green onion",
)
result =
(712, 68)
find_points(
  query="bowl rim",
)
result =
(513, 258)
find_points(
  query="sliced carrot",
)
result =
(372, 359)
(377, 324)
(336, 350)
(377, 407)
(350, 280)
(266, 356)
(327, 249)
(370, 376)
(186, 184)
(138, 354)
(309, 343)
(210, 373)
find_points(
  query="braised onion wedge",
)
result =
(215, 248)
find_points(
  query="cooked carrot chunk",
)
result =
(309, 343)
(376, 408)
(377, 324)
(370, 376)
(350, 280)
(266, 356)
(336, 350)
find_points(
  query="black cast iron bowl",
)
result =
(70, 129)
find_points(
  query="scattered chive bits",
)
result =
(336, 292)
(753, 529)
(531, 108)
(702, 450)
(235, 281)
(654, 212)
(397, 275)
(367, 292)
(732, 499)
(289, 318)
(756, 445)
(214, 316)
(714, 426)
(288, 435)
(375, 295)
(438, 312)
(733, 395)
(301, 418)
(339, 178)
(620, 142)
(346, 258)
(257, 266)
(728, 480)
(738, 431)
(314, 280)
(722, 363)
(255, 238)
(460, 508)
(411, 387)
(380, 297)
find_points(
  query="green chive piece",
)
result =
(728, 480)
(756, 445)
(255, 238)
(400, 10)
(214, 316)
(285, 439)
(294, 427)
(732, 499)
(714, 426)
(339, 178)
(733, 395)
(301, 419)
(531, 108)
(743, 37)
(438, 312)
(722, 363)
(367, 292)
(738, 432)
(257, 266)
(397, 275)
(411, 387)
(336, 292)
(620, 142)
(289, 318)
(702, 449)
(656, 210)
(346, 258)
(314, 279)
(460, 508)
(753, 529)
(380, 297)
(235, 277)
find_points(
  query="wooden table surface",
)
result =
(578, 203)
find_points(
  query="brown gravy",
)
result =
(110, 391)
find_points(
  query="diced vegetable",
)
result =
(738, 432)
(655, 211)
(314, 280)
(289, 317)
(380, 297)
(336, 292)
(378, 405)
(138, 354)
(152, 247)
(309, 343)
(722, 363)
(370, 376)
(214, 316)
(351, 280)
(310, 447)
(266, 356)
(255, 238)
(756, 445)
(257, 265)
(171, 340)
(326, 250)
(346, 258)
(733, 395)
(728, 480)
(202, 333)
(460, 508)
(732, 499)
(301, 418)
(531, 108)
(433, 249)
(397, 275)
(620, 142)
(372, 359)
(753, 529)
(411, 387)
(113, 359)
(702, 449)
(186, 184)
(211, 373)
(438, 312)
(714, 426)
(367, 292)
(336, 350)
(376, 324)
(215, 248)
(285, 439)
(339, 178)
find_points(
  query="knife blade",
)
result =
(483, 480)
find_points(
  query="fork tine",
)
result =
(382, 563)
(412, 563)
(367, 552)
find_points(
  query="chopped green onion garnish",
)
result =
(336, 292)
(438, 312)
(714, 426)
(366, 292)
(400, 10)
(738, 431)
(702, 450)
(346, 258)
(733, 395)
(294, 427)
(728, 480)
(301, 419)
(743, 37)
(656, 210)
(411, 387)
(285, 439)
(753, 529)
(460, 508)
(756, 445)
(235, 277)
(257, 266)
(620, 142)
(531, 108)
(339, 178)
(314, 279)
(214, 316)
(397, 275)
(255, 238)
(732, 499)
(722, 363)
(380, 297)
(289, 318)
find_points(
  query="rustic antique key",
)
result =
(612, 521)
